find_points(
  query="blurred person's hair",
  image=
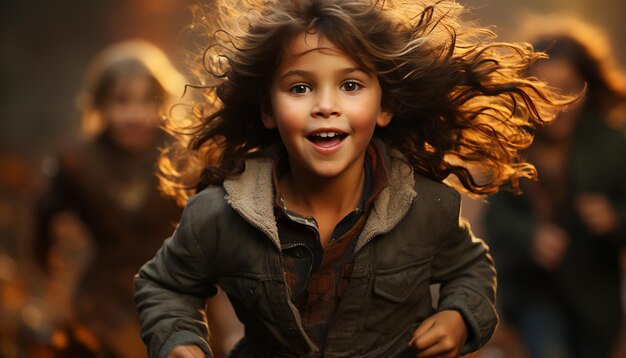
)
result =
(587, 48)
(120, 61)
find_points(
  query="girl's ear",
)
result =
(268, 120)
(384, 118)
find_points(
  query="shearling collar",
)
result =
(251, 194)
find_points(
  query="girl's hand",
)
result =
(441, 335)
(186, 352)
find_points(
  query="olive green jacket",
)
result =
(228, 237)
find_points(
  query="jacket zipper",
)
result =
(310, 223)
(294, 311)
(306, 283)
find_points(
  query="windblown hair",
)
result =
(460, 102)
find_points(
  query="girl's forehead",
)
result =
(307, 42)
(312, 42)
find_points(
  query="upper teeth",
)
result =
(326, 134)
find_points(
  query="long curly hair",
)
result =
(461, 104)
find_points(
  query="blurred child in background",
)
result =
(102, 215)
(557, 247)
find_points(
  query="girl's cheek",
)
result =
(364, 116)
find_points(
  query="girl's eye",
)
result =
(351, 86)
(299, 89)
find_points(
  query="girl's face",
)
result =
(325, 107)
(131, 113)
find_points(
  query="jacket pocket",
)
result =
(398, 295)
(244, 287)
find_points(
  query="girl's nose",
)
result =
(326, 105)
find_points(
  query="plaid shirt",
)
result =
(319, 275)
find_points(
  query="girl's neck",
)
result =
(320, 197)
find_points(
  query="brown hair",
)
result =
(459, 100)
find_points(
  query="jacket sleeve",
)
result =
(170, 290)
(467, 275)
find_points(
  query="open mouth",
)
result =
(326, 139)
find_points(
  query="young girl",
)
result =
(327, 130)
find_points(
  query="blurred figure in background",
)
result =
(557, 247)
(102, 216)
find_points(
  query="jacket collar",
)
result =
(251, 194)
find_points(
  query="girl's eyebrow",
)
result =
(350, 70)
(293, 73)
(343, 71)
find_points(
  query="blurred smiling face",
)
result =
(131, 112)
(325, 107)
